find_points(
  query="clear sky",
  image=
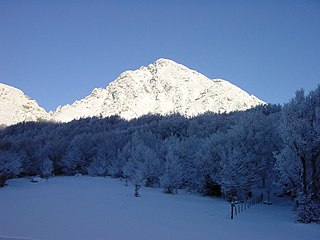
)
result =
(58, 51)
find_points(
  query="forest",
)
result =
(268, 149)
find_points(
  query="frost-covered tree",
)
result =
(238, 164)
(188, 151)
(262, 140)
(116, 156)
(301, 136)
(79, 154)
(208, 181)
(54, 150)
(245, 151)
(115, 165)
(46, 168)
(141, 162)
(10, 166)
(299, 160)
(99, 164)
(172, 177)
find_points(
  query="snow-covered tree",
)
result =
(300, 132)
(188, 151)
(238, 164)
(299, 160)
(115, 165)
(208, 181)
(172, 177)
(79, 154)
(115, 154)
(99, 164)
(10, 166)
(262, 140)
(141, 162)
(46, 168)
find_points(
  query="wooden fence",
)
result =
(239, 207)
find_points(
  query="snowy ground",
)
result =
(77, 208)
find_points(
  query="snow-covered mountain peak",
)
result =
(16, 107)
(163, 62)
(166, 87)
(163, 87)
(168, 66)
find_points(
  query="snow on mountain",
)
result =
(16, 107)
(90, 106)
(163, 87)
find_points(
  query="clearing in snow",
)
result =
(104, 208)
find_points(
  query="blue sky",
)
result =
(58, 51)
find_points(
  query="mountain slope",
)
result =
(90, 106)
(163, 87)
(16, 107)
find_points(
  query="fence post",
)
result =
(232, 206)
(238, 208)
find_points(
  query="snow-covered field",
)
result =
(97, 208)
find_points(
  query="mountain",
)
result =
(16, 107)
(90, 106)
(163, 87)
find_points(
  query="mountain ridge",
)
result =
(163, 87)
(17, 107)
